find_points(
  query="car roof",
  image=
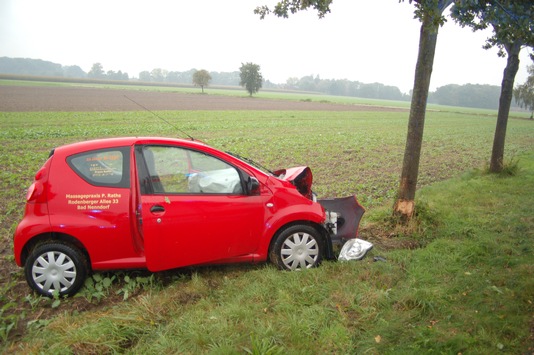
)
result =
(123, 141)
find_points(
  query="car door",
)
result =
(90, 201)
(194, 208)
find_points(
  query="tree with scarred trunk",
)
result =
(430, 13)
(512, 22)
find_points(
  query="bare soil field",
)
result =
(46, 98)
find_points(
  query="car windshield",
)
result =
(252, 162)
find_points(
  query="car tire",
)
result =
(56, 268)
(297, 247)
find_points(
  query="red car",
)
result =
(158, 204)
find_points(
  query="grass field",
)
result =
(468, 290)
(349, 153)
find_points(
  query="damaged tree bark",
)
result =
(405, 205)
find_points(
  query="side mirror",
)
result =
(253, 186)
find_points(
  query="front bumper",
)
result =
(343, 217)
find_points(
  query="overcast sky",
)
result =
(366, 41)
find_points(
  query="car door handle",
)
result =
(157, 209)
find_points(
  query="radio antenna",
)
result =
(161, 118)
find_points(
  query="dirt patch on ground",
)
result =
(47, 98)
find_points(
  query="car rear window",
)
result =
(103, 167)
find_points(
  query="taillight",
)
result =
(36, 189)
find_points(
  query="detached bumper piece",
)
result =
(344, 215)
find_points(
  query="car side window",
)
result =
(174, 170)
(103, 167)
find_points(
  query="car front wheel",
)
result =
(297, 247)
(56, 268)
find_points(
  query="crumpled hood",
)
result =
(300, 176)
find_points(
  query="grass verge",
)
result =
(468, 290)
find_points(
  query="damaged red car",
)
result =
(161, 203)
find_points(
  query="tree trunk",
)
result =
(404, 207)
(505, 101)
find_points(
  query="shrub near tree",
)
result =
(201, 78)
(251, 78)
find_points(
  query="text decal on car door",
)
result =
(93, 201)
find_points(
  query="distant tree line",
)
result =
(469, 95)
(186, 77)
(345, 87)
(38, 67)
(97, 72)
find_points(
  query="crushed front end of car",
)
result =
(343, 215)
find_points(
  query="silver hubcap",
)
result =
(299, 251)
(53, 271)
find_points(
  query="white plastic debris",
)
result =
(354, 249)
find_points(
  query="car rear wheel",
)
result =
(297, 247)
(56, 268)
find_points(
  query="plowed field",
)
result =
(46, 98)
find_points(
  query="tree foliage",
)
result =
(158, 74)
(285, 7)
(524, 94)
(116, 75)
(251, 78)
(145, 76)
(201, 78)
(512, 21)
(430, 12)
(96, 72)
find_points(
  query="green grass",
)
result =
(349, 152)
(468, 290)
